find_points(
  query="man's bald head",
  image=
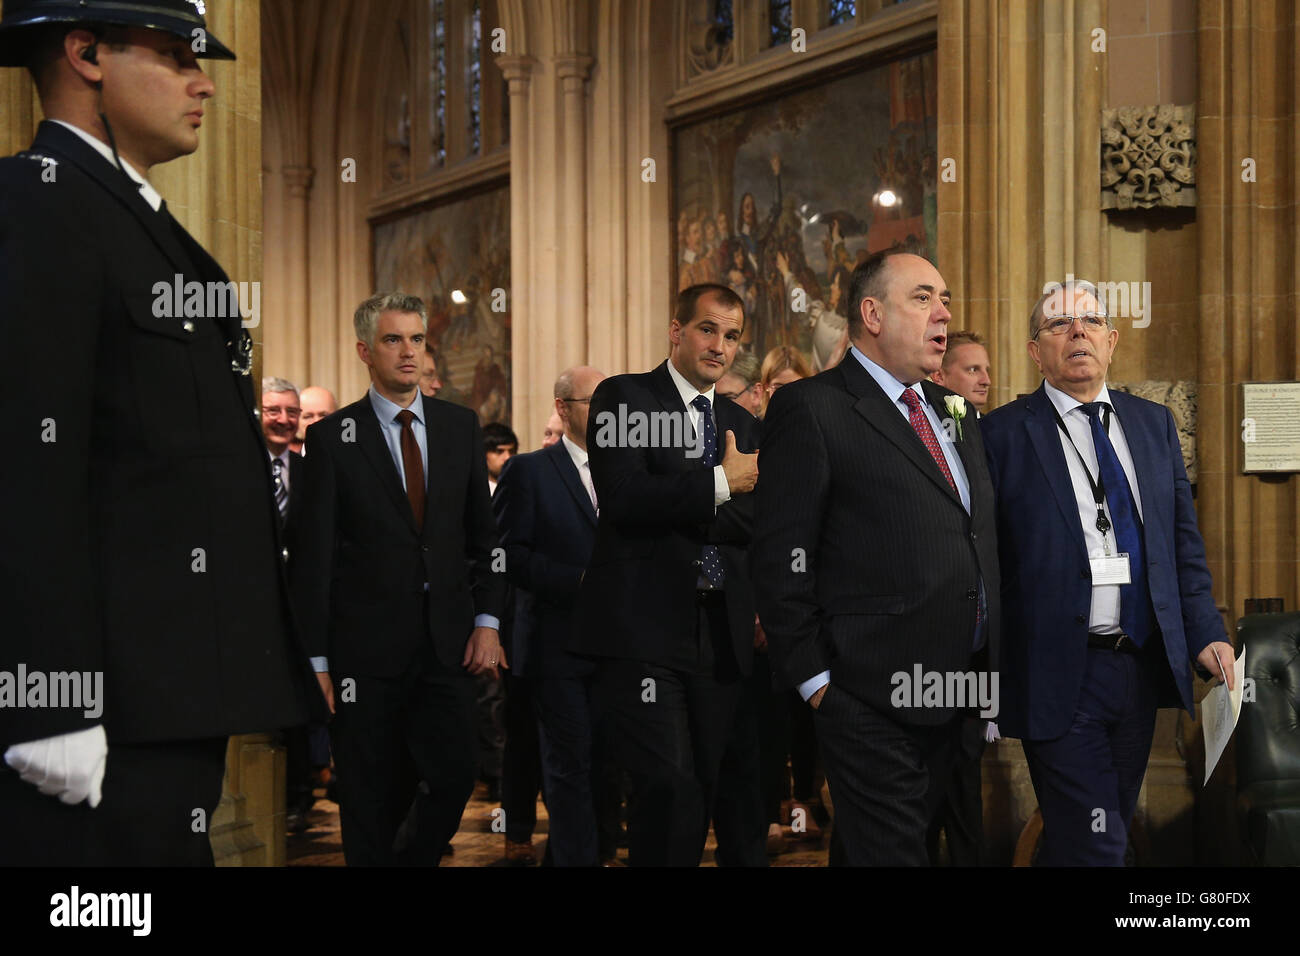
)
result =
(316, 403)
(573, 400)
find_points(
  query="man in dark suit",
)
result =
(392, 577)
(665, 604)
(545, 506)
(140, 542)
(875, 561)
(281, 407)
(1106, 589)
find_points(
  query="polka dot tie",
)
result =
(710, 560)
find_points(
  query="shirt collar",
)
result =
(891, 386)
(579, 455)
(1067, 403)
(387, 411)
(147, 191)
(687, 391)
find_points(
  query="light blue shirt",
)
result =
(391, 429)
(893, 390)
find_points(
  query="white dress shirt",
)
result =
(1103, 615)
(581, 461)
(146, 190)
(688, 392)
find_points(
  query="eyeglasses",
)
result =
(1060, 324)
(577, 401)
(277, 412)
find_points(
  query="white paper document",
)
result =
(1219, 712)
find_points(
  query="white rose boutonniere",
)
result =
(956, 411)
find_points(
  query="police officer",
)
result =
(139, 547)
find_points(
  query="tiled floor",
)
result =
(476, 845)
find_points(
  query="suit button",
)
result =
(284, 553)
(1080, 619)
(971, 594)
(698, 563)
(187, 325)
(424, 547)
(973, 536)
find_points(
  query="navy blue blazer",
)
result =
(548, 528)
(1046, 578)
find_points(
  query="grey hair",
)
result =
(367, 315)
(273, 384)
(1069, 285)
(746, 367)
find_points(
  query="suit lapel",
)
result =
(375, 448)
(665, 392)
(1143, 448)
(885, 417)
(972, 457)
(1044, 435)
(559, 456)
(437, 493)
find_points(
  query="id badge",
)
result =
(1111, 569)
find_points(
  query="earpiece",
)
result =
(91, 54)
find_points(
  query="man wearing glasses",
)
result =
(1106, 593)
(545, 507)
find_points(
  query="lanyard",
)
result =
(1098, 486)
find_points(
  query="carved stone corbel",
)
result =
(1148, 157)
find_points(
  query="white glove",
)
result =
(69, 766)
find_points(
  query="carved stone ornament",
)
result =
(1148, 157)
(705, 50)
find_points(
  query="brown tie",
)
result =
(412, 466)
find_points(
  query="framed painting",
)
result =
(456, 257)
(780, 198)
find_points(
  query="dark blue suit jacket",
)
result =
(548, 528)
(1046, 579)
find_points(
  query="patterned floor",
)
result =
(476, 845)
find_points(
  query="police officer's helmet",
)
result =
(178, 17)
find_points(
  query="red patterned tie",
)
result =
(921, 424)
(412, 466)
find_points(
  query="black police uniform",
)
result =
(138, 532)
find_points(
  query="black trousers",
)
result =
(521, 771)
(563, 707)
(668, 728)
(157, 807)
(882, 776)
(739, 817)
(961, 809)
(405, 751)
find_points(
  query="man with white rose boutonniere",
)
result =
(874, 560)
